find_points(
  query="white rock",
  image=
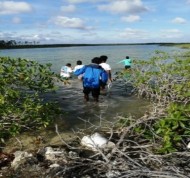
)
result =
(188, 145)
(54, 165)
(95, 141)
(20, 158)
(50, 154)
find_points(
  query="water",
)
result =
(70, 97)
(61, 56)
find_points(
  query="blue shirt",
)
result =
(92, 74)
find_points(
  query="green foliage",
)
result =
(165, 80)
(22, 106)
(174, 127)
(163, 77)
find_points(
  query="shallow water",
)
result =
(82, 115)
(77, 112)
(111, 104)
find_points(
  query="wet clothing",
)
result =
(127, 67)
(95, 91)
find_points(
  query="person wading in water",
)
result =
(93, 75)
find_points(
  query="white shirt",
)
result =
(77, 67)
(105, 66)
(66, 71)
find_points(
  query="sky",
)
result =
(95, 21)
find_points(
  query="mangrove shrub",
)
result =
(22, 106)
(164, 80)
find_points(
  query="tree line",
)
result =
(14, 43)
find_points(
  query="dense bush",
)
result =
(22, 84)
(165, 80)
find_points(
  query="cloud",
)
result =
(31, 37)
(6, 35)
(124, 6)
(16, 20)
(82, 1)
(188, 1)
(134, 33)
(69, 22)
(69, 8)
(12, 7)
(179, 20)
(171, 33)
(131, 18)
(77, 1)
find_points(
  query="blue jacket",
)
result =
(92, 75)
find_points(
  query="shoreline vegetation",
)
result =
(13, 45)
(155, 145)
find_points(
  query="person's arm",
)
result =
(121, 61)
(74, 69)
(104, 76)
(69, 70)
(109, 75)
(80, 71)
(108, 70)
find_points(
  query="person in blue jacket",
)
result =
(127, 62)
(93, 74)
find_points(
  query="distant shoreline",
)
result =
(183, 45)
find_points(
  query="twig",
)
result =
(20, 143)
(56, 130)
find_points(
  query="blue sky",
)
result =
(95, 21)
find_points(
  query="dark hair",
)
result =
(96, 60)
(68, 65)
(127, 57)
(79, 62)
(103, 58)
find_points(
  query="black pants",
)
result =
(102, 85)
(95, 91)
(127, 67)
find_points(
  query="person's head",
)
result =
(96, 60)
(127, 57)
(68, 65)
(79, 62)
(103, 58)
